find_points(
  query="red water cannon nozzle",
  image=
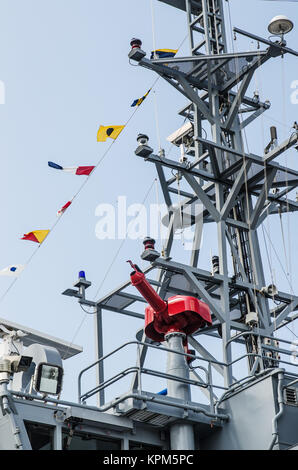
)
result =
(181, 313)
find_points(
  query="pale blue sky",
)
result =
(66, 71)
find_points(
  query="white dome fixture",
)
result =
(280, 25)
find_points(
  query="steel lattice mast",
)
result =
(235, 190)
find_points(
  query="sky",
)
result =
(65, 69)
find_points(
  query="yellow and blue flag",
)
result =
(163, 53)
(139, 101)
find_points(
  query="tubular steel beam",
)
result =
(283, 315)
(269, 177)
(205, 295)
(281, 47)
(231, 199)
(202, 196)
(282, 147)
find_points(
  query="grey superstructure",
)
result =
(238, 190)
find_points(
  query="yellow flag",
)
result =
(108, 131)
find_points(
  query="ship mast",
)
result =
(233, 186)
(238, 191)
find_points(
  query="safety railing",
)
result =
(139, 370)
(208, 383)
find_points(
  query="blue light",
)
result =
(163, 392)
(82, 274)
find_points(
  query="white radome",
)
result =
(280, 25)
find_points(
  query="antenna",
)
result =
(280, 25)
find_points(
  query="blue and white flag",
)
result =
(12, 270)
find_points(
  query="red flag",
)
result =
(63, 209)
(84, 170)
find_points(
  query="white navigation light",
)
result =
(142, 139)
(280, 25)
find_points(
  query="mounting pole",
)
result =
(182, 435)
(99, 354)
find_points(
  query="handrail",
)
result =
(135, 396)
(160, 348)
(139, 370)
(155, 373)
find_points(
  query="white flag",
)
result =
(12, 270)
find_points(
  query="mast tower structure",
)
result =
(237, 190)
(233, 186)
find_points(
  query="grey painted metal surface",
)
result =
(33, 336)
(252, 410)
(182, 434)
(249, 427)
(234, 190)
(260, 410)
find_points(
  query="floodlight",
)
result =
(48, 378)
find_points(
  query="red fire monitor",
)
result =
(181, 313)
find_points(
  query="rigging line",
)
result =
(80, 189)
(246, 141)
(281, 265)
(286, 164)
(180, 207)
(74, 336)
(75, 195)
(153, 28)
(246, 189)
(17, 278)
(266, 248)
(155, 101)
(283, 239)
(291, 331)
(270, 118)
(244, 131)
(157, 122)
(230, 24)
(270, 267)
(8, 289)
(84, 182)
(124, 240)
(272, 270)
(158, 208)
(106, 275)
(259, 87)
